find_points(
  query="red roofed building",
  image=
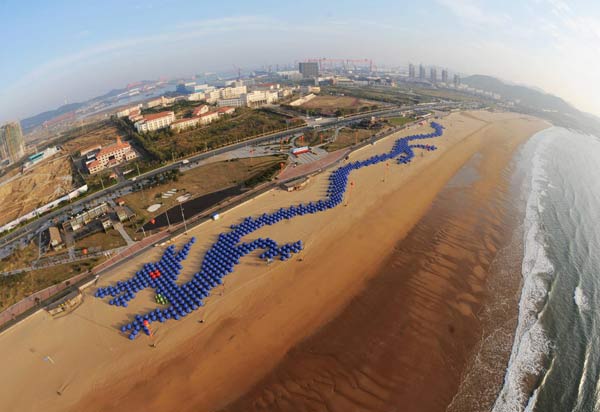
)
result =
(206, 118)
(179, 125)
(200, 119)
(155, 121)
(111, 156)
(200, 110)
(225, 110)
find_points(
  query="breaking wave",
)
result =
(531, 344)
(581, 300)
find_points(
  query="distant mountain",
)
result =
(526, 96)
(32, 122)
(538, 103)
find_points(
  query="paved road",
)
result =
(24, 234)
(119, 227)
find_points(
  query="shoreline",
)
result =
(485, 372)
(262, 312)
(435, 283)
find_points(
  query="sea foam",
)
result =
(531, 343)
(581, 299)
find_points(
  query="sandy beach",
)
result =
(405, 341)
(264, 334)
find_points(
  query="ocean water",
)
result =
(554, 361)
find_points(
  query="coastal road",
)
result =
(25, 233)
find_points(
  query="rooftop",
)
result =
(207, 114)
(187, 119)
(155, 116)
(113, 147)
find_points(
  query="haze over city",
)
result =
(70, 51)
(291, 206)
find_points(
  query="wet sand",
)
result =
(383, 336)
(403, 343)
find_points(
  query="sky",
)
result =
(52, 52)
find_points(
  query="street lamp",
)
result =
(183, 217)
(168, 221)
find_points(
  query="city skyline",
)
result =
(88, 50)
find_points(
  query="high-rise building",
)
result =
(421, 72)
(456, 80)
(12, 145)
(411, 71)
(433, 75)
(445, 76)
(309, 69)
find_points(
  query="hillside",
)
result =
(525, 95)
(538, 103)
(32, 122)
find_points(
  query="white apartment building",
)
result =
(128, 111)
(207, 118)
(196, 97)
(155, 121)
(233, 102)
(310, 89)
(253, 99)
(161, 101)
(201, 117)
(266, 86)
(212, 96)
(232, 92)
(260, 98)
(201, 88)
(179, 125)
(291, 75)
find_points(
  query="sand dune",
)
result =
(264, 311)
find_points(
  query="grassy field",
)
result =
(446, 94)
(348, 137)
(102, 134)
(387, 95)
(14, 288)
(246, 123)
(131, 228)
(32, 189)
(328, 105)
(399, 121)
(101, 241)
(20, 258)
(199, 181)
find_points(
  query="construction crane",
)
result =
(329, 63)
(362, 61)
